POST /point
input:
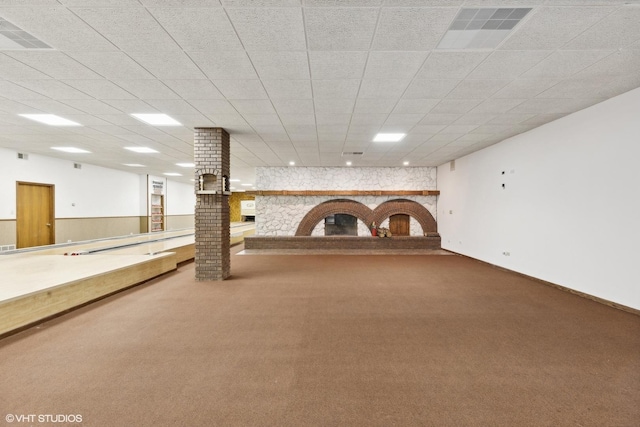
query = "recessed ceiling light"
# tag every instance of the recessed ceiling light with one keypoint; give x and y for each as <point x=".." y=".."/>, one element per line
<point x="185" y="165"/>
<point x="71" y="149"/>
<point x="172" y="174"/>
<point x="349" y="163"/>
<point x="247" y="185"/>
<point x="157" y="119"/>
<point x="405" y="163"/>
<point x="389" y="137"/>
<point x="134" y="165"/>
<point x="50" y="119"/>
<point x="292" y="163"/>
<point x="234" y="180"/>
<point x="233" y="188"/>
<point x="141" y="149"/>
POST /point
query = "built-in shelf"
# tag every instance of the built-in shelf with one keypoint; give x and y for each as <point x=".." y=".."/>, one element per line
<point x="344" y="193"/>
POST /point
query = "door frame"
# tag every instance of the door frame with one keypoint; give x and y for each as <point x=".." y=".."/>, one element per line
<point x="52" y="209"/>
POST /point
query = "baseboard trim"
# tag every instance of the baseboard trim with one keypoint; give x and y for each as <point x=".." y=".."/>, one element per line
<point x="555" y="285"/>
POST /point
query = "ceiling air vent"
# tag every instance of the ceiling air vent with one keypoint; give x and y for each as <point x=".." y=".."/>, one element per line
<point x="352" y="153"/>
<point x="23" y="156"/>
<point x="482" y="28"/>
<point x="13" y="37"/>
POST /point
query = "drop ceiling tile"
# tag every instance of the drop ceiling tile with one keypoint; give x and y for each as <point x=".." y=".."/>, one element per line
<point x="549" y="28"/>
<point x="255" y="27"/>
<point x="403" y="119"/>
<point x="439" y="119"/>
<point x="415" y="106"/>
<point x="340" y="28"/>
<point x="288" y="89"/>
<point x="119" y="119"/>
<point x="293" y="106"/>
<point x="455" y="106"/>
<point x="430" y="89"/>
<point x="374" y="106"/>
<point x="10" y="69"/>
<point x="417" y="29"/>
<point x="58" y="27"/>
<point x="333" y="119"/>
<point x="52" y="107"/>
<point x="194" y="89"/>
<point x="53" y="63"/>
<point x="460" y="130"/>
<point x="477" y="89"/>
<point x="226" y="120"/>
<point x="52" y="89"/>
<point x="525" y="88"/>
<point x="334" y="106"/>
<point x="91" y="106"/>
<point x="394" y="65"/>
<point x="623" y="62"/>
<point x="299" y="119"/>
<point x="383" y="88"/>
<point x="213" y="106"/>
<point x="168" y="65"/>
<point x="430" y="129"/>
<point x="332" y="65"/>
<point x="552" y="106"/>
<point x="496" y="106"/>
<point x="129" y="28"/>
<point x="198" y="29"/>
<point x="241" y="89"/>
<point x="368" y="119"/>
<point x="172" y="106"/>
<point x="335" y="89"/>
<point x="14" y="92"/>
<point x="111" y="65"/>
<point x="100" y="89"/>
<point x="508" y="64"/>
<point x="510" y="119"/>
<point x="281" y="65"/>
<point x="225" y="65"/>
<point x="450" y="65"/>
<point x="131" y="106"/>
<point x="617" y="30"/>
<point x="541" y="119"/>
<point x="147" y="89"/>
<point x="268" y="122"/>
<point x="563" y="64"/>
<point x="253" y="106"/>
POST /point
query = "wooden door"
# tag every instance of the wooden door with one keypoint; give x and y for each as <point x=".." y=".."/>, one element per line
<point x="34" y="214"/>
<point x="399" y="225"/>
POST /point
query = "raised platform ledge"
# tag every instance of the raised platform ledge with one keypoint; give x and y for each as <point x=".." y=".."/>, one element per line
<point x="431" y="241"/>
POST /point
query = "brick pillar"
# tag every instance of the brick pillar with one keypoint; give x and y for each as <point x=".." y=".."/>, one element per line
<point x="211" y="158"/>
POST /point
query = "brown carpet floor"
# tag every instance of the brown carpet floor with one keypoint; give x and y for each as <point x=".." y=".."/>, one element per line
<point x="332" y="341"/>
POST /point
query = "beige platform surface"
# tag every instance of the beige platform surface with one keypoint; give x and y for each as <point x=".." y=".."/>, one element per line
<point x="22" y="276"/>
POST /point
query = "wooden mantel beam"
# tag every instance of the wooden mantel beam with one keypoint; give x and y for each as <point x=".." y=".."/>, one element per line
<point x="343" y="193"/>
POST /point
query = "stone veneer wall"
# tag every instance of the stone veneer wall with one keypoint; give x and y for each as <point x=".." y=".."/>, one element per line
<point x="281" y="215"/>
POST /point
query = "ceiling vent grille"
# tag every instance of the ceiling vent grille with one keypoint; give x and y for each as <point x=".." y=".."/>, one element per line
<point x="13" y="37"/>
<point x="352" y="153"/>
<point x="482" y="28"/>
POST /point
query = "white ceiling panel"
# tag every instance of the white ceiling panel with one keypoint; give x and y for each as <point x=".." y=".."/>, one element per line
<point x="241" y="89"/>
<point x="111" y="65"/>
<point x="213" y="106"/>
<point x="562" y="64"/>
<point x="455" y="106"/>
<point x="147" y="89"/>
<point x="269" y="28"/>
<point x="508" y="64"/>
<point x="281" y="65"/>
<point x="293" y="106"/>
<point x="90" y="106"/>
<point x="386" y="88"/>
<point x="552" y="106"/>
<point x="54" y="64"/>
<point x="496" y="106"/>
<point x="450" y="65"/>
<point x="225" y="65"/>
<point x="415" y="106"/>
<point x="253" y="106"/>
<point x="172" y="106"/>
<point x="332" y="65"/>
<point x="476" y="89"/>
<point x="528" y="88"/>
<point x="131" y="106"/>
<point x="53" y="89"/>
<point x="425" y="89"/>
<point x="335" y="89"/>
<point x="168" y="65"/>
<point x="11" y="69"/>
<point x="417" y="29"/>
<point x="194" y="89"/>
<point x="199" y="29"/>
<point x="100" y="89"/>
<point x="334" y="106"/>
<point x="13" y="91"/>
<point x="619" y="29"/>
<point x="394" y="65"/>
<point x="374" y="106"/>
<point x="288" y="89"/>
<point x="335" y="29"/>
<point x="439" y="119"/>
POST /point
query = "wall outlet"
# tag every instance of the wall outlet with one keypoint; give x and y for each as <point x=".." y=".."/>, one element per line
<point x="506" y="253"/>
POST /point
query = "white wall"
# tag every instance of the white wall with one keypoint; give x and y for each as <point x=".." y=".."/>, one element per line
<point x="570" y="212"/>
<point x="181" y="198"/>
<point x="95" y="191"/>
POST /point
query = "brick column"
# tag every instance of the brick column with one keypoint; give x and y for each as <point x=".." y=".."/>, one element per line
<point x="211" y="158"/>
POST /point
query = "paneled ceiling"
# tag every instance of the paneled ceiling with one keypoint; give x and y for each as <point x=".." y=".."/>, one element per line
<point x="302" y="81"/>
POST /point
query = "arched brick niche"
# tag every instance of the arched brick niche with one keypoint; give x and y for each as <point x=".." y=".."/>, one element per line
<point x="332" y="207"/>
<point x="366" y="215"/>
<point x="406" y="207"/>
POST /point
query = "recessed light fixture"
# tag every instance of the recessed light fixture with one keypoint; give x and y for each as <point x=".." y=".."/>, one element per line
<point x="292" y="163"/>
<point x="141" y="149"/>
<point x="50" y="119"/>
<point x="172" y="174"/>
<point x="405" y="163"/>
<point x="234" y="180"/>
<point x="349" y="163"/>
<point x="157" y="119"/>
<point x="185" y="165"/>
<point x="247" y="185"/>
<point x="71" y="149"/>
<point x="389" y="137"/>
<point x="134" y="165"/>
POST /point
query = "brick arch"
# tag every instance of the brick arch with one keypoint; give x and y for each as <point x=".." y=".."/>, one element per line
<point x="332" y="207"/>
<point x="406" y="207"/>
